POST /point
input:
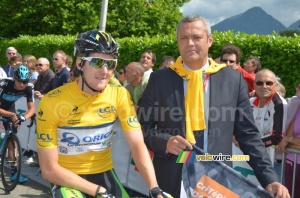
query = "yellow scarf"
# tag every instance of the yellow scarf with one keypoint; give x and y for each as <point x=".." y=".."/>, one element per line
<point x="194" y="108"/>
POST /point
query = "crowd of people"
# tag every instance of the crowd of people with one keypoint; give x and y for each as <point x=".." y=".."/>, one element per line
<point x="262" y="122"/>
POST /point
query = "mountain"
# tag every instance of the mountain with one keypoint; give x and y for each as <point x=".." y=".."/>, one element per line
<point x="295" y="26"/>
<point x="253" y="21"/>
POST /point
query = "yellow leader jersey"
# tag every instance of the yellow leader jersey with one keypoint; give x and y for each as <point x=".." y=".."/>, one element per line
<point x="80" y="125"/>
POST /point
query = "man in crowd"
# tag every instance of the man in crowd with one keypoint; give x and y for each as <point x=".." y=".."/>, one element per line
<point x="136" y="81"/>
<point x="188" y="103"/>
<point x="231" y="56"/>
<point x="166" y="62"/>
<point x="10" y="52"/>
<point x="44" y="81"/>
<point x="62" y="74"/>
<point x="148" y="60"/>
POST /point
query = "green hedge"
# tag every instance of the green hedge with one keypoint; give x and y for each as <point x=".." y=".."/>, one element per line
<point x="280" y="54"/>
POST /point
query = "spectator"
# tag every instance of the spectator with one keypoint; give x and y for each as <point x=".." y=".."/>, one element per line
<point x="292" y="140"/>
<point x="30" y="61"/>
<point x="252" y="65"/>
<point x="15" y="61"/>
<point x="231" y="56"/>
<point x="148" y="60"/>
<point x="136" y="81"/>
<point x="176" y="108"/>
<point x="44" y="80"/>
<point x="61" y="72"/>
<point x="269" y="110"/>
<point x="166" y="62"/>
<point x="281" y="89"/>
<point x="69" y="62"/>
<point x="10" y="52"/>
<point x="122" y="76"/>
<point x="74" y="74"/>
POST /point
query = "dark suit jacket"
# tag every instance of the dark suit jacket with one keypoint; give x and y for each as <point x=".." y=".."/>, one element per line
<point x="162" y="115"/>
<point x="44" y="82"/>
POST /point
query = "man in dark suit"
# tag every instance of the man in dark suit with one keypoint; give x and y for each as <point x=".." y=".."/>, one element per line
<point x="199" y="101"/>
<point x="44" y="81"/>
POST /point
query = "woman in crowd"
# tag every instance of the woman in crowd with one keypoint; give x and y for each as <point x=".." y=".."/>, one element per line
<point x="74" y="73"/>
<point x="121" y="76"/>
<point x="30" y="61"/>
<point x="292" y="140"/>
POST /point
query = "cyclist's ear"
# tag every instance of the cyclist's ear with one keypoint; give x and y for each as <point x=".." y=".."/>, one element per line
<point x="79" y="64"/>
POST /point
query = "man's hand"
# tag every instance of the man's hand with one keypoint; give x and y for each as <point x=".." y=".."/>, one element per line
<point x="177" y="143"/>
<point x="278" y="189"/>
<point x="18" y="119"/>
<point x="158" y="193"/>
<point x="38" y="94"/>
<point x="236" y="143"/>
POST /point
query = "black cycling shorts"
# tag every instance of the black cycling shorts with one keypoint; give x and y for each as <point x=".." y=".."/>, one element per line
<point x="108" y="180"/>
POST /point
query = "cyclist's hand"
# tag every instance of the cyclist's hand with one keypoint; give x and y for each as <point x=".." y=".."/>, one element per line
<point x="20" y="118"/>
<point x="105" y="195"/>
<point x="102" y="193"/>
<point x="156" y="192"/>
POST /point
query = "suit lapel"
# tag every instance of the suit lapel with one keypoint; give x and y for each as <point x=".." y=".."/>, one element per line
<point x="179" y="97"/>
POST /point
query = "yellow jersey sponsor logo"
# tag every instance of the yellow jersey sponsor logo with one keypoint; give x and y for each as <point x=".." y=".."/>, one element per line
<point x="44" y="139"/>
<point x="133" y="122"/>
<point x="106" y="112"/>
<point x="54" y="93"/>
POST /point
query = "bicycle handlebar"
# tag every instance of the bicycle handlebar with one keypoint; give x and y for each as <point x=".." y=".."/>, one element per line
<point x="32" y="120"/>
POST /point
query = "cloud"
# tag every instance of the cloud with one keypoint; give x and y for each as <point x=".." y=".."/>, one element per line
<point x="287" y="12"/>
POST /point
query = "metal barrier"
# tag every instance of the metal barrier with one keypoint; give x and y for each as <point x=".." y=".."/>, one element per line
<point x="296" y="153"/>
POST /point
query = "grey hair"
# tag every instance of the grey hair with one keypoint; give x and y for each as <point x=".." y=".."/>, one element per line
<point x="11" y="49"/>
<point x="138" y="68"/>
<point x="269" y="71"/>
<point x="192" y="18"/>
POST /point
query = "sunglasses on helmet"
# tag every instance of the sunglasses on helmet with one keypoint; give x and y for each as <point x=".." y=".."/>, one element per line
<point x="98" y="63"/>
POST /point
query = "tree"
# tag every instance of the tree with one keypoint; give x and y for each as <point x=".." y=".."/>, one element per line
<point x="34" y="17"/>
<point x="63" y="17"/>
<point x="140" y="18"/>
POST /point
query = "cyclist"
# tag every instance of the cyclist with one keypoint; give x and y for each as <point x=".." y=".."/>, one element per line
<point x="10" y="91"/>
<point x="74" y="132"/>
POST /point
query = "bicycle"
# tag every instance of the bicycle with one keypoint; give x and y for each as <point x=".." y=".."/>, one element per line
<point x="11" y="157"/>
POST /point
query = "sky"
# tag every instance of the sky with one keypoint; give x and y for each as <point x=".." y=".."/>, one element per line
<point x="285" y="11"/>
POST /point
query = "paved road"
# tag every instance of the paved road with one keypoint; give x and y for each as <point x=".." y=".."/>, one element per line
<point x="36" y="187"/>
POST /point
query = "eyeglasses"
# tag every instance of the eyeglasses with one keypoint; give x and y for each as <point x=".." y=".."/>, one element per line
<point x="39" y="65"/>
<point x="248" y="63"/>
<point x="98" y="63"/>
<point x="121" y="73"/>
<point x="261" y="83"/>
<point x="22" y="82"/>
<point x="55" y="59"/>
<point x="230" y="61"/>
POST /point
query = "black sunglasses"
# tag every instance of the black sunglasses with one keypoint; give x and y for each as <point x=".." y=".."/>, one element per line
<point x="225" y="61"/>
<point x="261" y="83"/>
<point x="98" y="63"/>
<point x="39" y="65"/>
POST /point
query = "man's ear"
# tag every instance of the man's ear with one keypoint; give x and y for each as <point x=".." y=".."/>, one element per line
<point x="78" y="64"/>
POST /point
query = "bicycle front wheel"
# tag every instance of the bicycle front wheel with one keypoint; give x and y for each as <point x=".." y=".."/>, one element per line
<point x="11" y="162"/>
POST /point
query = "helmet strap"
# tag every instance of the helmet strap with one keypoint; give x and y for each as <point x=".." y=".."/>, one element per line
<point x="84" y="82"/>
